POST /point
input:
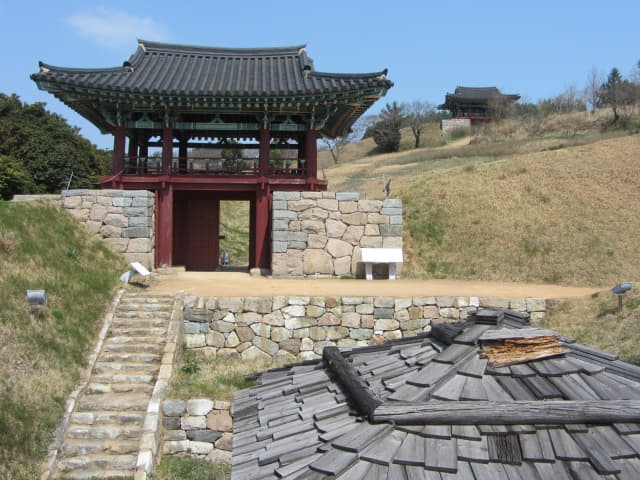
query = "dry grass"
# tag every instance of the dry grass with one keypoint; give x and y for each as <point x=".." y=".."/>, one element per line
<point x="595" y="321"/>
<point x="42" y="354"/>
<point x="215" y="378"/>
<point x="562" y="216"/>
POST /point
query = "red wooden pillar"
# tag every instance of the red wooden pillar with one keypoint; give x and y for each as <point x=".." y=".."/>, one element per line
<point x="164" y="226"/>
<point x="167" y="149"/>
<point x="133" y="146"/>
<point x="311" y="151"/>
<point x="119" y="139"/>
<point x="263" y="155"/>
<point x="262" y="213"/>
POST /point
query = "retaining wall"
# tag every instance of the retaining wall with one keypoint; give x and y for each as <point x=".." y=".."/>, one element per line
<point x="297" y="328"/>
<point x="320" y="234"/>
<point x="124" y="218"/>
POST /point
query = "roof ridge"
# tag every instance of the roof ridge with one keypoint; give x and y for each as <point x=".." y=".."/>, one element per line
<point x="147" y="45"/>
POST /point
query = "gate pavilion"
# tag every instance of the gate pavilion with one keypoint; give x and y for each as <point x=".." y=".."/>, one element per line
<point x="237" y="105"/>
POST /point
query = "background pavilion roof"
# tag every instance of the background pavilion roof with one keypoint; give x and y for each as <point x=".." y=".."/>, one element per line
<point x="185" y="75"/>
<point x="481" y="95"/>
<point x="301" y="421"/>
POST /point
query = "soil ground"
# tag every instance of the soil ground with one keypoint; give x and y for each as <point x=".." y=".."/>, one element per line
<point x="240" y="284"/>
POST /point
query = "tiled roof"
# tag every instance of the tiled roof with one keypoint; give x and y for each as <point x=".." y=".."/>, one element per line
<point x="181" y="70"/>
<point x="300" y="422"/>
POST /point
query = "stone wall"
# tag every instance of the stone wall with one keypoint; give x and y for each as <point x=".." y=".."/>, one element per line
<point x="124" y="218"/>
<point x="199" y="426"/>
<point x="297" y="328"/>
<point x="452" y="124"/>
<point x="320" y="234"/>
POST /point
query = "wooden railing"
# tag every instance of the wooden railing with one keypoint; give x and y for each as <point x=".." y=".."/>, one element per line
<point x="152" y="166"/>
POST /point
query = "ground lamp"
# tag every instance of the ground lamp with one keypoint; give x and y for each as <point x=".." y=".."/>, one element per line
<point x="620" y="290"/>
<point x="36" y="299"/>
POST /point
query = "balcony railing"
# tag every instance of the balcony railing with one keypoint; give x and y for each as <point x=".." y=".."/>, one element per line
<point x="186" y="166"/>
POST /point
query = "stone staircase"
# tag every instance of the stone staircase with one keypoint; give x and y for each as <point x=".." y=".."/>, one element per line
<point x="111" y="429"/>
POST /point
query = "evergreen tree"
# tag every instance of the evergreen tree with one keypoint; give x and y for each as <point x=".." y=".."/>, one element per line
<point x="386" y="133"/>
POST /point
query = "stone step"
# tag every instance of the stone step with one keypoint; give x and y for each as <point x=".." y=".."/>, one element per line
<point x="72" y="447"/>
<point x="104" y="432"/>
<point x="133" y="348"/>
<point x="123" y="339"/>
<point x="102" y="417"/>
<point x="126" y="367"/>
<point x="137" y="331"/>
<point x="143" y="315"/>
<point x="113" y="402"/>
<point x="120" y="388"/>
<point x="100" y="462"/>
<point x="130" y="357"/>
<point x="122" y="378"/>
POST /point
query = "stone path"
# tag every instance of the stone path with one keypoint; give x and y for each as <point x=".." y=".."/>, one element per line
<point x="112" y="426"/>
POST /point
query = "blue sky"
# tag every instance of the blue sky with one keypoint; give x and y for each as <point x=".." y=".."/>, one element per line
<point x="534" y="48"/>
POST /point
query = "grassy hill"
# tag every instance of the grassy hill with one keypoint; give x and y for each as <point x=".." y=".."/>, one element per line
<point x="557" y="207"/>
<point x="41" y="356"/>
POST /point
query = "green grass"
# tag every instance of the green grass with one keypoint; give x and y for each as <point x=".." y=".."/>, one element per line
<point x="234" y="225"/>
<point x="177" y="467"/>
<point x="215" y="378"/>
<point x="41" y="356"/>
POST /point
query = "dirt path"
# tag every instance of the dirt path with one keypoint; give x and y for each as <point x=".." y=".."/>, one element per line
<point x="234" y="284"/>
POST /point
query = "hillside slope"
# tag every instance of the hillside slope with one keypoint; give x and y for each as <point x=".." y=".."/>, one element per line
<point x="567" y="216"/>
<point x="41" y="355"/>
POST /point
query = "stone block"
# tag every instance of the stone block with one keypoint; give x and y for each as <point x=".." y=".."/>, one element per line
<point x="279" y="205"/>
<point x="172" y="424"/>
<point x="350" y="320"/>
<point x="494" y="302"/>
<point x="286" y="195"/>
<point x="382" y="312"/>
<point x="402" y="303"/>
<point x="175" y="447"/>
<point x="329" y="195"/>
<point x="431" y="311"/>
<point x="387" y="302"/>
<point x="258" y="304"/>
<point x="306" y="344"/>
<point x="537" y="317"/>
<point x="317" y="333"/>
<point x="140" y="221"/>
<point x="122" y="201"/>
<point x="195" y="341"/>
<point x="278" y="247"/>
<point x="315" y="214"/>
<point x="292" y="345"/>
<point x="275" y="319"/>
<point x="402" y="315"/>
<point x="392" y="203"/>
<point x="142" y="202"/>
<point x="449" y="312"/>
<point x="445" y="301"/>
<point x="318" y="347"/>
<point x="200" y="448"/>
<point x="300" y="205"/>
<point x="371" y="230"/>
<point x="280" y="225"/>
<point x="314" y="195"/>
<point x="353" y="234"/>
<point x="314" y="311"/>
<point x="284" y="214"/>
<point x="317" y="241"/>
<point x="335" y="228"/>
<point x="215" y="339"/>
<point x="261" y="329"/>
<point x="268" y="346"/>
<point x="232" y="304"/>
<point x="518" y="304"/>
<point x="338" y="248"/>
<point x="253" y="353"/>
<point x="209" y="436"/>
<point x="296" y="310"/>
<point x="377" y="219"/>
<point x="391" y="211"/>
<point x="232" y="340"/>
<point x="421" y="301"/>
<point x="136" y="232"/>
<point x="369" y="206"/>
<point x="317" y="261"/>
<point x="328" y="204"/>
<point x="278" y="334"/>
<point x="361" y="333"/>
<point x="395" y="220"/>
<point x="199" y="406"/>
<point x="191" y="327"/>
<point x="294" y="225"/>
<point x="392" y="242"/>
<point x="136" y="211"/>
<point x="392" y="335"/>
<point x="356" y="218"/>
<point x="329" y="319"/>
<point x="383" y="324"/>
<point x="290" y="264"/>
<point x="174" y="408"/>
<point x="336" y="332"/>
<point x="190" y="422"/>
<point x="109" y="231"/>
<point x="98" y="212"/>
<point x="313" y="226"/>
<point x="391" y="230"/>
<point x="225" y="442"/>
<point x="140" y="245"/>
<point x="348" y="207"/>
<point x="118" y="244"/>
<point x="342" y="266"/>
<point x="296" y="323"/>
<point x="347" y="196"/>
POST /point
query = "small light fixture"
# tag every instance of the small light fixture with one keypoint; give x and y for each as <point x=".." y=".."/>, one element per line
<point x="36" y="298"/>
<point x="620" y="290"/>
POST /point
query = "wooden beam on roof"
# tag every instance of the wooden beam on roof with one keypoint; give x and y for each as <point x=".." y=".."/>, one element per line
<point x="509" y="413"/>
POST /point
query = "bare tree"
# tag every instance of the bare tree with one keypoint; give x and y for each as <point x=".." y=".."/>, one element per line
<point x="336" y="146"/>
<point x="592" y="88"/>
<point x="417" y="113"/>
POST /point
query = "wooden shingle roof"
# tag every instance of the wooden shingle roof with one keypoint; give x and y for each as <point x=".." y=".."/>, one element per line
<point x="442" y="411"/>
